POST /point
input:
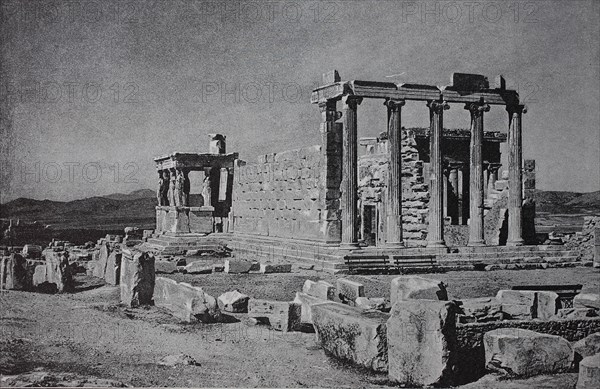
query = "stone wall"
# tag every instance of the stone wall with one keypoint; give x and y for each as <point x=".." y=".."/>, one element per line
<point x="288" y="195"/>
<point x="471" y="353"/>
<point x="583" y="243"/>
<point x="373" y="176"/>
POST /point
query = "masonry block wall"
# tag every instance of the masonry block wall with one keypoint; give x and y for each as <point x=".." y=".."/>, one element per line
<point x="289" y="194"/>
<point x="373" y="173"/>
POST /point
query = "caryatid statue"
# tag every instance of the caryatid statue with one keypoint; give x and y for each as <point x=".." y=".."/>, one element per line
<point x="186" y="189"/>
<point x="206" y="189"/>
<point x="172" y="186"/>
<point x="163" y="189"/>
<point x="179" y="189"/>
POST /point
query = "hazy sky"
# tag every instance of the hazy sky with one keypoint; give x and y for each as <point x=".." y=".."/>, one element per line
<point x="92" y="91"/>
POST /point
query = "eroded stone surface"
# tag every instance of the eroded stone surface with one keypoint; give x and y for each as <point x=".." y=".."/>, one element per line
<point x="589" y="373"/>
<point x="348" y="291"/>
<point x="320" y="289"/>
<point x="306" y="302"/>
<point x="237" y="266"/>
<point x="422" y="342"/>
<point x="417" y="288"/>
<point x="137" y="278"/>
<point x="588" y="346"/>
<point x="233" y="301"/>
<point x="519" y="352"/>
<point x="587" y="300"/>
<point x="282" y="315"/>
<point x="352" y="334"/>
<point x="185" y="301"/>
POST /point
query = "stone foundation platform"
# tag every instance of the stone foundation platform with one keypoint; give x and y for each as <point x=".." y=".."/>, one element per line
<point x="178" y="243"/>
<point x="184" y="220"/>
<point x="332" y="258"/>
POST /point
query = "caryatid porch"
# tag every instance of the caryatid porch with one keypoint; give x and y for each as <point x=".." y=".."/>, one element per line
<point x="175" y="213"/>
<point x="471" y="90"/>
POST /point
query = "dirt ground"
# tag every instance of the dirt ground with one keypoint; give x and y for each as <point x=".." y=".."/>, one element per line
<point x="87" y="333"/>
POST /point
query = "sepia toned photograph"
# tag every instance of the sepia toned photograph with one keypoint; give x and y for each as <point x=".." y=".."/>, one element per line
<point x="300" y="194"/>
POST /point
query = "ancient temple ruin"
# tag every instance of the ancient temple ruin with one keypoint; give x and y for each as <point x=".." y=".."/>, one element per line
<point x="424" y="189"/>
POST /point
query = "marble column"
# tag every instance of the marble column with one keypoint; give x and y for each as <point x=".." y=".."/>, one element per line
<point x="486" y="177"/>
<point x="476" y="232"/>
<point x="515" y="175"/>
<point x="435" y="233"/>
<point x="349" y="173"/>
<point x="394" y="188"/>
<point x="453" y="199"/>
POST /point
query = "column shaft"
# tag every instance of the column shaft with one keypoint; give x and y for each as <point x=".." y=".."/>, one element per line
<point x="515" y="176"/>
<point x="435" y="233"/>
<point x="394" y="188"/>
<point x="350" y="173"/>
<point x="476" y="232"/>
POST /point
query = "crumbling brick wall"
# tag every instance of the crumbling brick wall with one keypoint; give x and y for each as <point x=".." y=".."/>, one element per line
<point x="285" y="195"/>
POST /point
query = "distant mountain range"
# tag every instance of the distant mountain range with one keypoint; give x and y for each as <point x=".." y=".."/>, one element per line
<point x="119" y="210"/>
<point x="555" y="202"/>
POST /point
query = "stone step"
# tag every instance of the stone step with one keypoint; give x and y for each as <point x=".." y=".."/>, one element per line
<point x="507" y="260"/>
<point x="491" y="255"/>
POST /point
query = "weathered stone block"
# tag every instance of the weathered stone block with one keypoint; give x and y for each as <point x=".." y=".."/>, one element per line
<point x="519" y="352"/>
<point x="520" y="297"/>
<point x="198" y="267"/>
<point x="306" y="302"/>
<point x="58" y="271"/>
<point x="589" y="373"/>
<point x="275" y="268"/>
<point x="233" y="301"/>
<point x="575" y="313"/>
<point x="165" y="267"/>
<point x="320" y="289"/>
<point x="113" y="268"/>
<point x="545" y="304"/>
<point x="137" y="278"/>
<point x="349" y="291"/>
<point x="237" y="266"/>
<point x="588" y="346"/>
<point x="518" y="311"/>
<point x="282" y="315"/>
<point x="185" y="301"/>
<point x="587" y="300"/>
<point x="481" y="309"/>
<point x="13" y="273"/>
<point x="103" y="254"/>
<point x="417" y="288"/>
<point x="421" y="342"/>
<point x="376" y="303"/>
<point x="352" y="334"/>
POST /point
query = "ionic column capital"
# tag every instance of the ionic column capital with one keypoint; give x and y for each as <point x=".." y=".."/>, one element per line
<point x="351" y="101"/>
<point x="477" y="109"/>
<point x="438" y="106"/>
<point x="516" y="109"/>
<point x="394" y="105"/>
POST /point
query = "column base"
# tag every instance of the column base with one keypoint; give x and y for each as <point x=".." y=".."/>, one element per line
<point x="476" y="243"/>
<point x="514" y="243"/>
<point x="437" y="244"/>
<point x="349" y="246"/>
